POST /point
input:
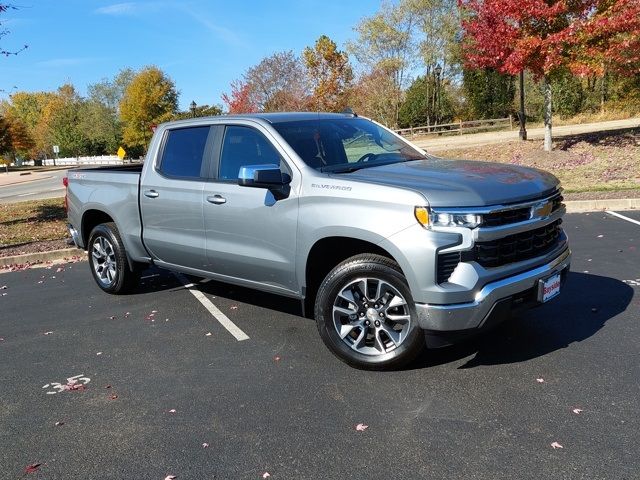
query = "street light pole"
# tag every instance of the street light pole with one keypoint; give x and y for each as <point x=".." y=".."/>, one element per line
<point x="193" y="107"/>
<point x="438" y="72"/>
<point x="523" y="118"/>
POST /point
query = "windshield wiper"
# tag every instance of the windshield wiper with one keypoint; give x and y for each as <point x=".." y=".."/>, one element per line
<point x="342" y="168"/>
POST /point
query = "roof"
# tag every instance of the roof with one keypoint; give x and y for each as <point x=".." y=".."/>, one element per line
<point x="278" y="117"/>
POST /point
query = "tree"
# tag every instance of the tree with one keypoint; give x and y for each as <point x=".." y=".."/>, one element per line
<point x="240" y="99"/>
<point x="4" y="7"/>
<point x="489" y="93"/>
<point x="150" y="98"/>
<point x="385" y="45"/>
<point x="373" y="95"/>
<point x="585" y="36"/>
<point x="200" y="111"/>
<point x="14" y="139"/>
<point x="426" y="103"/>
<point x="330" y="74"/>
<point x="110" y="92"/>
<point x="277" y="83"/>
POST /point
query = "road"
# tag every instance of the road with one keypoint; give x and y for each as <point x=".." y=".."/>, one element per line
<point x="49" y="185"/>
<point x="449" y="142"/>
<point x="171" y="392"/>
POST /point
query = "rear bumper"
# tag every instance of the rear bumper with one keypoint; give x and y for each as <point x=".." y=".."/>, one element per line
<point x="74" y="235"/>
<point x="493" y="302"/>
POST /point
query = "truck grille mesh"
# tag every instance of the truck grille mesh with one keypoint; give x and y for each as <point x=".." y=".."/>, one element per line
<point x="516" y="248"/>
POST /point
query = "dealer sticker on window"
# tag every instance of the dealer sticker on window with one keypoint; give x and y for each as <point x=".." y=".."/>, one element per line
<point x="549" y="288"/>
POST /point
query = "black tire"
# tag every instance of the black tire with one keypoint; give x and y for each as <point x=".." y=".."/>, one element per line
<point x="342" y="278"/>
<point x="122" y="279"/>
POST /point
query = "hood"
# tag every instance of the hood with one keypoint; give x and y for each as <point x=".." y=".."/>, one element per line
<point x="462" y="183"/>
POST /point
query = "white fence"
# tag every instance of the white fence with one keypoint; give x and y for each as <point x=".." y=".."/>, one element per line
<point x="73" y="161"/>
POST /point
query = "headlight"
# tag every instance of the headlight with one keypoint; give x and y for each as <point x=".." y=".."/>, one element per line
<point x="428" y="218"/>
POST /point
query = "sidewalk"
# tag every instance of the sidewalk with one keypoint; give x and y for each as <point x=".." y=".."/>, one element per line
<point x="13" y="178"/>
<point x="450" y="142"/>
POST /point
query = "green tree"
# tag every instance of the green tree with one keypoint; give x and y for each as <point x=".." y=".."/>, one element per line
<point x="200" y="111"/>
<point x="150" y="98"/>
<point x="489" y="94"/>
<point x="426" y="103"/>
<point x="330" y="74"/>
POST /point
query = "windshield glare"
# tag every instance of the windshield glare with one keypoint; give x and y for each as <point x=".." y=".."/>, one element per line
<point x="345" y="144"/>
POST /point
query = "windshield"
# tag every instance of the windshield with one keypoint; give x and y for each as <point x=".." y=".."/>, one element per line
<point x="345" y="144"/>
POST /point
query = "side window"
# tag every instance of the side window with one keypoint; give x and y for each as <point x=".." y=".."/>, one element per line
<point x="244" y="146"/>
<point x="183" y="152"/>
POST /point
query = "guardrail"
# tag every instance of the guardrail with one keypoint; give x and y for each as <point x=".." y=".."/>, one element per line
<point x="461" y="127"/>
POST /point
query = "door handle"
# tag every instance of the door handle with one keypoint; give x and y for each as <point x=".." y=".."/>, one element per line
<point x="216" y="199"/>
<point x="151" y="194"/>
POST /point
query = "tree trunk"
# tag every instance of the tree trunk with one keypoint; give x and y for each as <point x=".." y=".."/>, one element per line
<point x="547" y="114"/>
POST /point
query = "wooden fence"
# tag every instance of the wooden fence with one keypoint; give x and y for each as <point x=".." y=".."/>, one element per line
<point x="461" y="127"/>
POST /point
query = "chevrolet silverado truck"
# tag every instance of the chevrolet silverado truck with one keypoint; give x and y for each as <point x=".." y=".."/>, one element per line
<point x="392" y="249"/>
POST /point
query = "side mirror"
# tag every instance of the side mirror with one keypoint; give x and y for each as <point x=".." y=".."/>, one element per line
<point x="265" y="176"/>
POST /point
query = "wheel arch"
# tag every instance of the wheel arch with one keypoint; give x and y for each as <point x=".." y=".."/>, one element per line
<point x="326" y="253"/>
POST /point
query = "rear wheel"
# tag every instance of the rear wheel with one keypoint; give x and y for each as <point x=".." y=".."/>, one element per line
<point x="108" y="260"/>
<point x="366" y="315"/>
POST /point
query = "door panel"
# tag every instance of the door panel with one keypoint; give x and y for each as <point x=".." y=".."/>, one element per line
<point x="250" y="234"/>
<point x="173" y="225"/>
<point x="171" y="197"/>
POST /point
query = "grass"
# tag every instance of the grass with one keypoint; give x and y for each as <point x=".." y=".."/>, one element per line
<point x="32" y="221"/>
<point x="601" y="161"/>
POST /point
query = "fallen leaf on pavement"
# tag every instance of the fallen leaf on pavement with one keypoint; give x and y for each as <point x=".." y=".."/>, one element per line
<point x="99" y="353"/>
<point x="112" y="317"/>
<point x="208" y="334"/>
<point x="48" y="333"/>
<point x="600" y="236"/>
<point x="233" y="307"/>
<point x="32" y="468"/>
<point x="277" y="358"/>
<point x="107" y="386"/>
<point x="170" y="477"/>
<point x="3" y="287"/>
<point x="540" y="380"/>
<point x="114" y="397"/>
<point x="266" y="475"/>
<point x="173" y="410"/>
<point x="205" y="445"/>
<point x="361" y="427"/>
<point x="59" y="424"/>
<point x="556" y="445"/>
<point x="577" y="411"/>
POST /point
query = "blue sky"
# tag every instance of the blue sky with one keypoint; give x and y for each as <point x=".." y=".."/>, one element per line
<point x="202" y="45"/>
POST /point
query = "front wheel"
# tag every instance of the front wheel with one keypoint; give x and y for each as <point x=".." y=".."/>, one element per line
<point x="366" y="315"/>
<point x="108" y="260"/>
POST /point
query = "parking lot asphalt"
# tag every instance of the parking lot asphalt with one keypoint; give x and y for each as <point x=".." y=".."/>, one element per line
<point x="162" y="388"/>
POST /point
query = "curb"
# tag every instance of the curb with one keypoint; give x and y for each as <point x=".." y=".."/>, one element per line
<point x="40" y="257"/>
<point x="578" y="206"/>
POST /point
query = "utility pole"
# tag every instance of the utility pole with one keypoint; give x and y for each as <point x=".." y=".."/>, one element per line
<point x="523" y="118"/>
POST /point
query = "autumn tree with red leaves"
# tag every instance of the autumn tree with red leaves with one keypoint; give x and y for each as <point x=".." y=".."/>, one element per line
<point x="240" y="98"/>
<point x="588" y="37"/>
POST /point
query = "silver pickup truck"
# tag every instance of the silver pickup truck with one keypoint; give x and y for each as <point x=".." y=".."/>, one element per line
<point x="390" y="248"/>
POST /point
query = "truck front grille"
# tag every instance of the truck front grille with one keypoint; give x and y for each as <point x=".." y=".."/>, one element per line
<point x="497" y="253"/>
<point x="516" y="215"/>
<point x="518" y="247"/>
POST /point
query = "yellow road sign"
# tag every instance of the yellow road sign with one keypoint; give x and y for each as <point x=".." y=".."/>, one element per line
<point x="121" y="153"/>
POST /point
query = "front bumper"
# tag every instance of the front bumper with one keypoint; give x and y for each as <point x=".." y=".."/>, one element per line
<point x="492" y="303"/>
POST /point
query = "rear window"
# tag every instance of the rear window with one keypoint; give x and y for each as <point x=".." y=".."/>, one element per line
<point x="184" y="152"/>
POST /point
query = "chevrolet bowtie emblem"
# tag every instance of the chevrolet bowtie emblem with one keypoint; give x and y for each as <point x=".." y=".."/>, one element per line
<point x="542" y="209"/>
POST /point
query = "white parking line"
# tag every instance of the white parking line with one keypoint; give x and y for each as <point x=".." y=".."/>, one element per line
<point x="616" y="214"/>
<point x="231" y="327"/>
